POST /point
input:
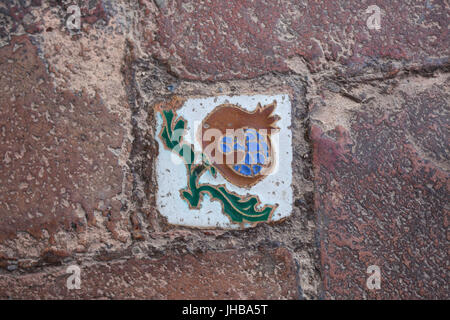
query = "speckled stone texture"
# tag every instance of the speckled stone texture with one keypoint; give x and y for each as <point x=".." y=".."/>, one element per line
<point x="265" y="274"/>
<point x="56" y="165"/>
<point x="381" y="197"/>
<point x="241" y="39"/>
<point x="370" y="124"/>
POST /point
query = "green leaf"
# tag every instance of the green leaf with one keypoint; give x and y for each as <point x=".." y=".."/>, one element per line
<point x="238" y="208"/>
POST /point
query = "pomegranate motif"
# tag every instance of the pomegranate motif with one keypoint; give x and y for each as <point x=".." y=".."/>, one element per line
<point x="237" y="134"/>
<point x="243" y="153"/>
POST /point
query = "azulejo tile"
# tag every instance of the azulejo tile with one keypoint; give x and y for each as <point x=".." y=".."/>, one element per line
<point x="224" y="161"/>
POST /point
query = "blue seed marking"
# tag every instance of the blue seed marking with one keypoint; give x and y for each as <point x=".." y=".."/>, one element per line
<point x="265" y="148"/>
<point x="255" y="148"/>
<point x="248" y="159"/>
<point x="237" y="146"/>
<point x="245" y="170"/>
<point x="260" y="158"/>
<point x="252" y="146"/>
<point x="225" y="148"/>
<point x="249" y="136"/>
<point x="254" y="132"/>
<point x="256" y="169"/>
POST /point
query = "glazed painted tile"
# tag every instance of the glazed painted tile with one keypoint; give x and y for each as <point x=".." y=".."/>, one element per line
<point x="225" y="162"/>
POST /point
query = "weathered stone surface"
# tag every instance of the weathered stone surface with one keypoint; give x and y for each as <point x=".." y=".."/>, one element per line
<point x="77" y="150"/>
<point x="264" y="274"/>
<point x="18" y="17"/>
<point x="242" y="39"/>
<point x="57" y="168"/>
<point x="381" y="197"/>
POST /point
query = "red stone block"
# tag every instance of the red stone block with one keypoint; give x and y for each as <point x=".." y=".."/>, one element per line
<point x="381" y="199"/>
<point x="218" y="40"/>
<point x="264" y="274"/>
<point x="56" y="166"/>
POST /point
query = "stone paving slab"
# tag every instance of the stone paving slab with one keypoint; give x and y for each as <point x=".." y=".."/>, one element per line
<point x="381" y="197"/>
<point x="78" y="150"/>
<point x="263" y="274"/>
<point x="232" y="39"/>
<point x="58" y="171"/>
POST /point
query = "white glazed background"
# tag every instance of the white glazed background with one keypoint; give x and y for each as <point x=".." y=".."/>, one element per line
<point x="171" y="171"/>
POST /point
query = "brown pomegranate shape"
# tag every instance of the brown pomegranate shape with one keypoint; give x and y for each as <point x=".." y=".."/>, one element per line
<point x="239" y="142"/>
